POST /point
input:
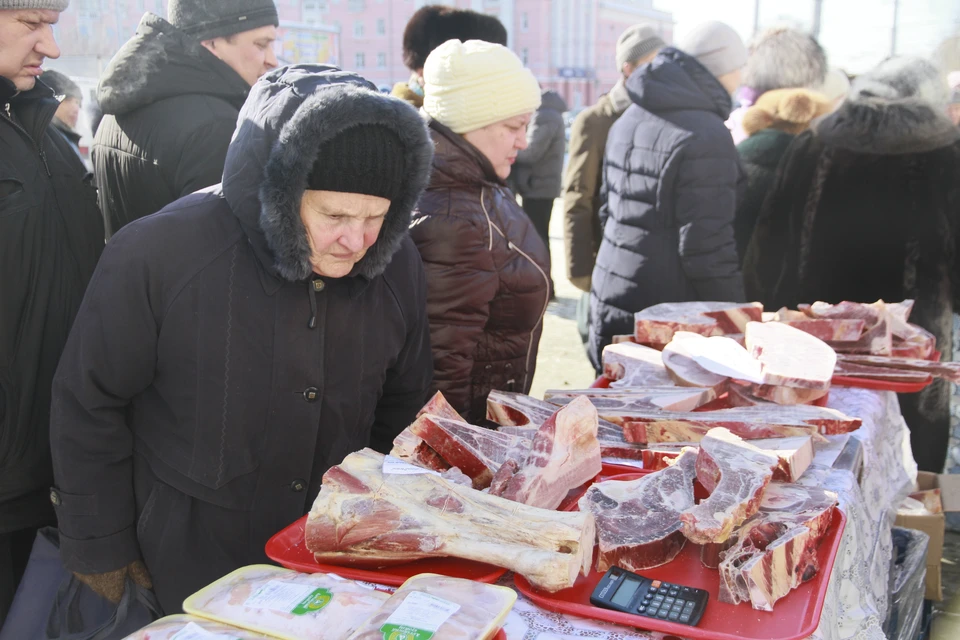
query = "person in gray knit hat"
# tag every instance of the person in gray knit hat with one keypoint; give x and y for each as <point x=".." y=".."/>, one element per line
<point x="170" y="99"/>
<point x="50" y="238"/>
<point x="636" y="46"/>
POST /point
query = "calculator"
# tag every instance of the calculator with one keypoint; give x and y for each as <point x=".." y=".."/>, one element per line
<point x="625" y="591"/>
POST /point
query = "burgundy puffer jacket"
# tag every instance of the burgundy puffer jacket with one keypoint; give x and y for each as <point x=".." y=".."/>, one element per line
<point x="487" y="288"/>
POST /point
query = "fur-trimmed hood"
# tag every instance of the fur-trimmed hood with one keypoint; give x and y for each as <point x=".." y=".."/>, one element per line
<point x="291" y="112"/>
<point x="897" y="108"/>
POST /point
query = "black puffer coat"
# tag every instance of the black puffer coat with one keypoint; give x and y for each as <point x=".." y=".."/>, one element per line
<point x="486" y="276"/>
<point x="866" y="206"/>
<point x="195" y="410"/>
<point x="51" y="237"/>
<point x="170" y="108"/>
<point x="671" y="181"/>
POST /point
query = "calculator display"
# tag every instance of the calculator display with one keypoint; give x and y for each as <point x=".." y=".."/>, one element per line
<point x="625" y="593"/>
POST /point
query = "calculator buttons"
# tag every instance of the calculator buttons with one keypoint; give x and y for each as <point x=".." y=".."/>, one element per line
<point x="684" y="618"/>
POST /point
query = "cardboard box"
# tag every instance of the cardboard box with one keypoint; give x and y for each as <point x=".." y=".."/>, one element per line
<point x="933" y="525"/>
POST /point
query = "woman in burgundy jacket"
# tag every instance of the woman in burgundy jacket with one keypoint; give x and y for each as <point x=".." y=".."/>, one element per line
<point x="486" y="265"/>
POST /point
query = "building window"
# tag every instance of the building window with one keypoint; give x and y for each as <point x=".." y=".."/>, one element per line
<point x="359" y="61"/>
<point x="524" y="22"/>
<point x="381" y="27"/>
<point x="525" y="55"/>
<point x="381" y="60"/>
<point x="358" y="29"/>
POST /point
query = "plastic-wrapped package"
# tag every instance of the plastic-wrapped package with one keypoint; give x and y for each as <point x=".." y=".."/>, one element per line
<point x="286" y="604"/>
<point x="430" y="605"/>
<point x="183" y="627"/>
<point x="908" y="571"/>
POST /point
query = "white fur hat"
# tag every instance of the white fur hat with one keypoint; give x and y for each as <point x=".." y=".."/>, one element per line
<point x="469" y="85"/>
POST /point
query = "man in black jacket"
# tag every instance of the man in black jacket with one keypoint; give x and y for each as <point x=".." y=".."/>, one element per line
<point x="243" y="340"/>
<point x="671" y="182"/>
<point x="170" y="99"/>
<point x="50" y="239"/>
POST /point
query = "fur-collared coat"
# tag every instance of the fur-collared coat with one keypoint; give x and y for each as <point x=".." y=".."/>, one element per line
<point x="210" y="378"/>
<point x="866" y="205"/>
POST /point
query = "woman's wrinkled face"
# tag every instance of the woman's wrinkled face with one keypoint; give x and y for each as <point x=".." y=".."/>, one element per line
<point x="340" y="227"/>
<point x="501" y="141"/>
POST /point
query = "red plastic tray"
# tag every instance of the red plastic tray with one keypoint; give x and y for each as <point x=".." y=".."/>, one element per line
<point x="881" y="385"/>
<point x="287" y="549"/>
<point x="794" y="617"/>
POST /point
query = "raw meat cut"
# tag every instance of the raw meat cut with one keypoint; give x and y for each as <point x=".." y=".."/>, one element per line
<point x="947" y="370"/>
<point x="829" y="330"/>
<point x="794" y="455"/>
<point x="638" y="524"/>
<point x="879" y="373"/>
<point x="286" y="604"/>
<point x="564" y="455"/>
<point x="169" y="627"/>
<point x="751" y="423"/>
<point x="657" y="324"/>
<point x="411" y="448"/>
<point x="621" y="338"/>
<point x="735" y="473"/>
<point x="679" y="357"/>
<point x="790" y="357"/>
<point x="776" y="550"/>
<point x="634" y="364"/>
<point x="510" y="409"/>
<point x="777" y="394"/>
<point x="877" y="336"/>
<point x="365" y="517"/>
<point x="464" y="609"/>
<point x="669" y="398"/>
<point x="476" y="451"/>
<point x="438" y="406"/>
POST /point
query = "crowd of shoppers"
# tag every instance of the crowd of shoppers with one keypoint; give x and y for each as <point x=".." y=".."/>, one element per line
<point x="272" y="268"/>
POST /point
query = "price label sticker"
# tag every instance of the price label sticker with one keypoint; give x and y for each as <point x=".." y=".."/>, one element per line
<point x="193" y="631"/>
<point x="418" y="617"/>
<point x="289" y="597"/>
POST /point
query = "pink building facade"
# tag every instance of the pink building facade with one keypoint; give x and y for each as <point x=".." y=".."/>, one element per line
<point x="568" y="44"/>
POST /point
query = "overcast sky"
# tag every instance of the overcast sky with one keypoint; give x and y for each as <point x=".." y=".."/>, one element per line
<point x="855" y="33"/>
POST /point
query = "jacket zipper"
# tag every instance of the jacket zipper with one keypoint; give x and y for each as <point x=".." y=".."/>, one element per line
<point x="38" y="145"/>
<point x="546" y="280"/>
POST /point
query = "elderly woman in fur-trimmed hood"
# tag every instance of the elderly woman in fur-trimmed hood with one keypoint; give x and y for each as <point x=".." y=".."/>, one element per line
<point x="865" y="206"/>
<point x="234" y="346"/>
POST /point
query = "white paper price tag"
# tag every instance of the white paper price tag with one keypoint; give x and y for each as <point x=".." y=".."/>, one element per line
<point x="396" y="467"/>
<point x="289" y="597"/>
<point x="193" y="631"/>
<point x="419" y="616"/>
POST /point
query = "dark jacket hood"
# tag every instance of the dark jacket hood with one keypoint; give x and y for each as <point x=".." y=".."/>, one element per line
<point x="552" y="100"/>
<point x="290" y="113"/>
<point x="870" y="124"/>
<point x="160" y="62"/>
<point x="675" y="81"/>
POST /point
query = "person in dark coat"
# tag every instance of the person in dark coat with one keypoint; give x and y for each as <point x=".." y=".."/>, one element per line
<point x="770" y="124"/>
<point x="486" y="265"/>
<point x="51" y="237"/>
<point x="243" y="340"/>
<point x="71" y="101"/>
<point x="865" y="207"/>
<point x="536" y="176"/>
<point x="428" y="28"/>
<point x="170" y="99"/>
<point x="670" y="184"/>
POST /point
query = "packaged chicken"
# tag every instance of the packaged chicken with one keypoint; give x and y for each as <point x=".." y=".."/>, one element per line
<point x="433" y="606"/>
<point x="286" y="604"/>
<point x="182" y="627"/>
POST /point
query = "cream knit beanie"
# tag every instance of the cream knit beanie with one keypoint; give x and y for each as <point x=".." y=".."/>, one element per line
<point x="469" y="85"/>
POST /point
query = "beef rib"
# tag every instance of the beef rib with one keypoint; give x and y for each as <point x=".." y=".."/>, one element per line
<point x="735" y="473"/>
<point x="657" y="324"/>
<point x="947" y="370"/>
<point x="794" y="455"/>
<point x="365" y="517"/>
<point x="669" y="398"/>
<point x="638" y="524"/>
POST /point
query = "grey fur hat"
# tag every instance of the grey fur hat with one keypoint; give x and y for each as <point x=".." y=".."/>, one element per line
<point x="61" y="84"/>
<point x="51" y="5"/>
<point x="784" y="59"/>
<point x="209" y="19"/>
<point x="902" y="78"/>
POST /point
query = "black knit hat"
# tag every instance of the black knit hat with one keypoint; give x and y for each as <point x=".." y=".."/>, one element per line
<point x="367" y="159"/>
<point x="434" y="24"/>
<point x="209" y="19"/>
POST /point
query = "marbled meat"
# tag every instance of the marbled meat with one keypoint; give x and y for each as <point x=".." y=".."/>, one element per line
<point x="657" y="324"/>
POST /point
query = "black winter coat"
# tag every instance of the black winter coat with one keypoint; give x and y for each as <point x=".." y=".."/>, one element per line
<point x="760" y="154"/>
<point x="671" y="180"/>
<point x="170" y="108"/>
<point x="537" y="174"/>
<point x="865" y="206"/>
<point x="195" y="410"/>
<point x="486" y="274"/>
<point x="51" y="237"/>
